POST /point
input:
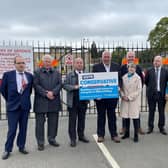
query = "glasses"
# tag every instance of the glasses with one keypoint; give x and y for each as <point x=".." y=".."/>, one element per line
<point x="20" y="63"/>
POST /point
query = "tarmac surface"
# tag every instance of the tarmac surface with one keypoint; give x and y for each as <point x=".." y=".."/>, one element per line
<point x="150" y="152"/>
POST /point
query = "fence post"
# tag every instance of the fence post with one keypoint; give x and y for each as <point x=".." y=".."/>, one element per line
<point x="0" y="110"/>
<point x="0" y="103"/>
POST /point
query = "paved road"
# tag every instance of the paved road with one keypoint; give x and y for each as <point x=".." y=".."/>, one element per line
<point x="150" y="152"/>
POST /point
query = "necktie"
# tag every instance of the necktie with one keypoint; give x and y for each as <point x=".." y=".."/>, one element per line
<point x="23" y="83"/>
<point x="157" y="75"/>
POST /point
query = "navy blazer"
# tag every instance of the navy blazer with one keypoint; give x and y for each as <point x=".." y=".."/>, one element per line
<point x="9" y="91"/>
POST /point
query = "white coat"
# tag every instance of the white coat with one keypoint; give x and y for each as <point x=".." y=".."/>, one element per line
<point x="131" y="88"/>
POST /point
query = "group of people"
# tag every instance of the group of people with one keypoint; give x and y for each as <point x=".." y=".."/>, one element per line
<point x="16" y="88"/>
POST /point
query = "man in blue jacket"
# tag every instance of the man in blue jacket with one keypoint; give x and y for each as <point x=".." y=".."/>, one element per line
<point x="16" y="89"/>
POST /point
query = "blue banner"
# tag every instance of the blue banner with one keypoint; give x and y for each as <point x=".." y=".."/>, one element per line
<point x="98" y="85"/>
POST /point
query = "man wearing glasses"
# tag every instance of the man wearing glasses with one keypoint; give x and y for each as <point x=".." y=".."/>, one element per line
<point x="16" y="89"/>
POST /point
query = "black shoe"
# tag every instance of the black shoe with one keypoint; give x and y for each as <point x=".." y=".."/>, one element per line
<point x="23" y="151"/>
<point x="125" y="136"/>
<point x="54" y="143"/>
<point x="83" y="139"/>
<point x="162" y="131"/>
<point x="5" y="155"/>
<point x="150" y="130"/>
<point x="136" y="139"/>
<point x="41" y="147"/>
<point x="73" y="143"/>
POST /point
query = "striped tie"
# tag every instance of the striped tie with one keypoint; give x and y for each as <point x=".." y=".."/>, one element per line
<point x="23" y="83"/>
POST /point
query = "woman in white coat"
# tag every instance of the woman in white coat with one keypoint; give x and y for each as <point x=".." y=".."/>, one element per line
<point x="130" y="100"/>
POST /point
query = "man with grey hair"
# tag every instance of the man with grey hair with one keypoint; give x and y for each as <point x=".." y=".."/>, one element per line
<point x="156" y="80"/>
<point x="47" y="85"/>
<point x="106" y="105"/>
<point x="76" y="107"/>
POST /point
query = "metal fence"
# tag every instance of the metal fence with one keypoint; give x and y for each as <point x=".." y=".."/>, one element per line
<point x="86" y="50"/>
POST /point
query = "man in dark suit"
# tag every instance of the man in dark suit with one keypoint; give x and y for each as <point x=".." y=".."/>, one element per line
<point x="76" y="107"/>
<point x="106" y="105"/>
<point x="123" y="71"/>
<point x="16" y="89"/>
<point x="47" y="103"/>
<point x="156" y="80"/>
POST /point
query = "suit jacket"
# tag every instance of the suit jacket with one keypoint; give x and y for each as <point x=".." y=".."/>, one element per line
<point x="69" y="86"/>
<point x="100" y="67"/>
<point x="10" y="92"/>
<point x="124" y="70"/>
<point x="44" y="81"/>
<point x="150" y="82"/>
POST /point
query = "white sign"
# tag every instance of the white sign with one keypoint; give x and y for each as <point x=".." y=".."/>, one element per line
<point x="68" y="59"/>
<point x="8" y="53"/>
<point x="102" y="85"/>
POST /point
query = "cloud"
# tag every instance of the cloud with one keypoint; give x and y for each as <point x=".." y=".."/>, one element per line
<point x="74" y="19"/>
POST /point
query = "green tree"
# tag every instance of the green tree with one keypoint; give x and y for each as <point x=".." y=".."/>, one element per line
<point x="145" y="58"/>
<point x="158" y="37"/>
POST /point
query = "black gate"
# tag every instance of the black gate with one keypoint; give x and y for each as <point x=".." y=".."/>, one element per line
<point x="91" y="53"/>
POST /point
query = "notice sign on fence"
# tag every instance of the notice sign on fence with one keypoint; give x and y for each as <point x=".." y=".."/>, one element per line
<point x="98" y="85"/>
<point x="8" y="53"/>
<point x="69" y="59"/>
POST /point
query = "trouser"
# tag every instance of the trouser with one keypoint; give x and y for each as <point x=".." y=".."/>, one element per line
<point x="16" y="117"/>
<point x="124" y="123"/>
<point x="127" y="126"/>
<point x="158" y="99"/>
<point x="77" y="117"/>
<point x="52" y="125"/>
<point x="103" y="107"/>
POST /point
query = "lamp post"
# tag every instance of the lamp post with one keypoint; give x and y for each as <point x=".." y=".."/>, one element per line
<point x="84" y="47"/>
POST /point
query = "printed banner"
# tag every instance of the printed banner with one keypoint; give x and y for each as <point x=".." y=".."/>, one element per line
<point x="8" y="53"/>
<point x="102" y="85"/>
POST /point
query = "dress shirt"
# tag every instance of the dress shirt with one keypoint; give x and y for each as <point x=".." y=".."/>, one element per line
<point x="19" y="80"/>
<point x="158" y="78"/>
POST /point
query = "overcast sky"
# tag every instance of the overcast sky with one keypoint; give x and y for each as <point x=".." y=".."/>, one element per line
<point x="113" y="20"/>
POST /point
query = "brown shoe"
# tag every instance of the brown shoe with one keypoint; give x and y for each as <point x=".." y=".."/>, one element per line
<point x="115" y="139"/>
<point x="100" y="139"/>
<point x="122" y="131"/>
<point x="140" y="131"/>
